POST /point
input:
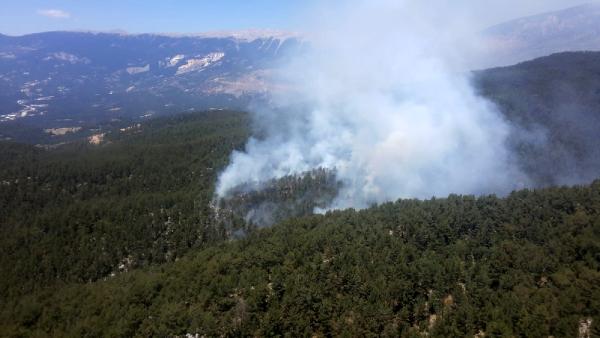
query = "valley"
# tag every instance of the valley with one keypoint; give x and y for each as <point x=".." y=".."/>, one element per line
<point x="51" y="78"/>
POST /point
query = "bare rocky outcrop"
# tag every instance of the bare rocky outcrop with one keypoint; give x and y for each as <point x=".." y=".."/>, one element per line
<point x="585" y="328"/>
<point x="96" y="139"/>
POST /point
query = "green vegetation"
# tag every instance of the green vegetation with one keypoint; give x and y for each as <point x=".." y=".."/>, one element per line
<point x="279" y="199"/>
<point x="120" y="240"/>
<point x="526" y="265"/>
<point x="81" y="212"/>
<point x="555" y="99"/>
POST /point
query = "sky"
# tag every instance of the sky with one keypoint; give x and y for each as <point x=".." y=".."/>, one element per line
<point x="196" y="16"/>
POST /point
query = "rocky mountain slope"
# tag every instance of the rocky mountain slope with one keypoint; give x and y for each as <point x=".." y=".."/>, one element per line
<point x="572" y="29"/>
<point x="72" y="79"/>
<point x="79" y="76"/>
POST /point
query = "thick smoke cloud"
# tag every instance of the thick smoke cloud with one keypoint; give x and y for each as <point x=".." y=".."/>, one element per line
<point x="383" y="97"/>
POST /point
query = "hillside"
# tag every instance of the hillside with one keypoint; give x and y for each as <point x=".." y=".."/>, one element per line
<point x="81" y="212"/>
<point x="118" y="234"/>
<point x="525" y="265"/>
<point x="62" y="79"/>
<point x="68" y="79"/>
<point x="518" y="40"/>
<point x="554" y="105"/>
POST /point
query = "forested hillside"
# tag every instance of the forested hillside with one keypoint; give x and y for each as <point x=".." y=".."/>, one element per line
<point x="120" y="235"/>
<point x="82" y="212"/>
<point x="525" y="265"/>
<point x="553" y="104"/>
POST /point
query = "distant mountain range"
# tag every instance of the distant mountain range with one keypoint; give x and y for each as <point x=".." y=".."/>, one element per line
<point x="572" y="29"/>
<point x="81" y="76"/>
<point x="68" y="79"/>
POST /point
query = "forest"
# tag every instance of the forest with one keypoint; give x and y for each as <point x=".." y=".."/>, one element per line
<point x="125" y="239"/>
<point x="552" y="103"/>
<point x="81" y="212"/>
<point x="524" y="265"/>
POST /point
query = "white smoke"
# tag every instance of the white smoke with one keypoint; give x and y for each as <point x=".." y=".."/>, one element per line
<point x="383" y="97"/>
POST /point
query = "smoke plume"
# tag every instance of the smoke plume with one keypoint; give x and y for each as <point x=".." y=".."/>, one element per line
<point x="383" y="97"/>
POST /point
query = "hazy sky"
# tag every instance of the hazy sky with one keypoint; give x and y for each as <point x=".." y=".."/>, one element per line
<point x="191" y="16"/>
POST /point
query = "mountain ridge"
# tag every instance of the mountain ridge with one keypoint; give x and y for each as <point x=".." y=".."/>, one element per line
<point x="86" y="76"/>
<point x="244" y="34"/>
<point x="571" y="29"/>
